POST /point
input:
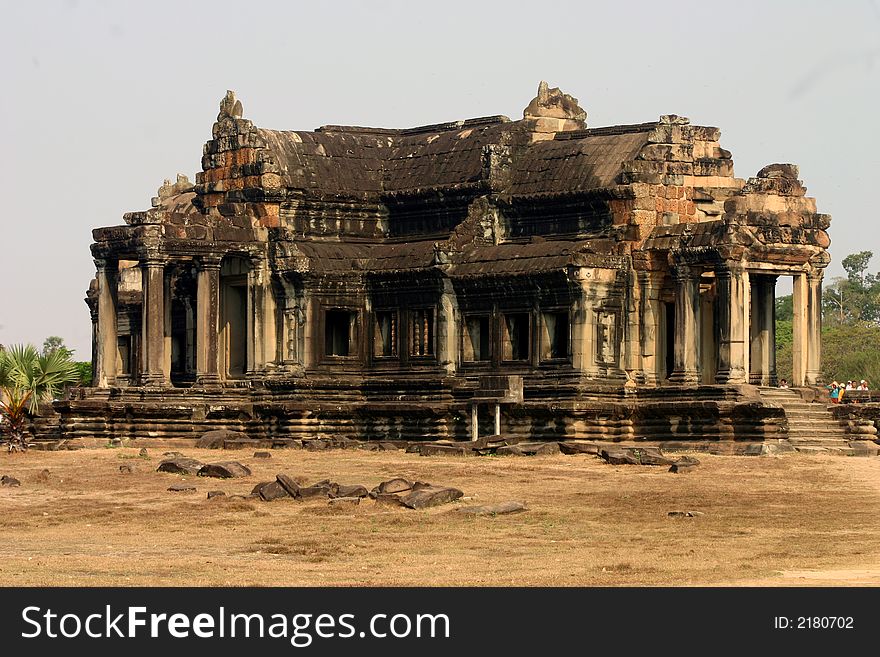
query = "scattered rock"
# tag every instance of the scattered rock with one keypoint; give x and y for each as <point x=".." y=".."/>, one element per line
<point x="396" y="485"/>
<point x="684" y="464"/>
<point x="180" y="465"/>
<point x="314" y="445"/>
<point x="173" y="455"/>
<point x="272" y="490"/>
<point x="224" y="470"/>
<point x="72" y="444"/>
<point x="344" y="502"/>
<point x="431" y="449"/>
<point x="216" y="438"/>
<point x="493" y="509"/>
<point x="387" y="498"/>
<point x="215" y="493"/>
<point x="430" y="496"/>
<point x="311" y="492"/>
<point x="262" y="455"/>
<point x="539" y="449"/>
<point x="182" y="488"/>
<point x="634" y="456"/>
<point x="571" y="448"/>
<point x="510" y="450"/>
<point x="414" y="448"/>
<point x="350" y="491"/>
<point x="685" y="514"/>
<point x="143" y="453"/>
<point x="370" y="447"/>
<point x="288" y="484"/>
<point x="115" y="442"/>
<point x="6" y="480"/>
<point x="388" y="447"/>
<point x="126" y="469"/>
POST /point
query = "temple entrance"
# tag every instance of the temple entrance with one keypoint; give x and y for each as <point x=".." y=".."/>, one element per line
<point x="233" y="318"/>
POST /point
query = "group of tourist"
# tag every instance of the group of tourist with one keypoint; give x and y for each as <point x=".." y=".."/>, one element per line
<point x="837" y="390"/>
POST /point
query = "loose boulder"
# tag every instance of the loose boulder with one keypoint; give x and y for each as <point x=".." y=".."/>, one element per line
<point x="126" y="469"/>
<point x="182" y="488"/>
<point x="685" y="514"/>
<point x="684" y="464"/>
<point x="180" y="465"/>
<point x="396" y="485"/>
<point x="215" y="493"/>
<point x="288" y="484"/>
<point x="350" y="491"/>
<point x="224" y="470"/>
<point x="634" y="456"/>
<point x="216" y="438"/>
<point x="571" y="448"/>
<point x="430" y="496"/>
<point x="344" y="502"/>
<point x="272" y="490"/>
<point x="493" y="509"/>
<point x="6" y="480"/>
<point x="431" y="449"/>
<point x="509" y="450"/>
<point x="143" y="453"/>
<point x="262" y="455"/>
<point x="539" y="449"/>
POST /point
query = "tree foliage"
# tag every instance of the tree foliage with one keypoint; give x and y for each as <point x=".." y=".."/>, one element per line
<point x="28" y="378"/>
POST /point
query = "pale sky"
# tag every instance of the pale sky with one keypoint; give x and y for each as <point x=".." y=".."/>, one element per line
<point x="100" y="101"/>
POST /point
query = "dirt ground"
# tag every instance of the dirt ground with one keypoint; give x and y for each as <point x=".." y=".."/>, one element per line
<point x="770" y="521"/>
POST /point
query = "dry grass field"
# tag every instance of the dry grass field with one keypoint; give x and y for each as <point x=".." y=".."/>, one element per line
<point x="774" y="521"/>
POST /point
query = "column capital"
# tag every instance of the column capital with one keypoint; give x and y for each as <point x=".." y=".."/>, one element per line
<point x="106" y="265"/>
<point x="153" y="261"/>
<point x="815" y="275"/>
<point x="685" y="272"/>
<point x="207" y="262"/>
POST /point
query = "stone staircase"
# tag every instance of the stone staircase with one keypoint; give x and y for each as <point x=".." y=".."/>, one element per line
<point x="809" y="425"/>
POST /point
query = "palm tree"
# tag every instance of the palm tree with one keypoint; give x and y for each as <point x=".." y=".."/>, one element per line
<point x="26" y="379"/>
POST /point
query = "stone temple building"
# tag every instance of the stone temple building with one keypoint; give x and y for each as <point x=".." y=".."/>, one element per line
<point x="535" y="278"/>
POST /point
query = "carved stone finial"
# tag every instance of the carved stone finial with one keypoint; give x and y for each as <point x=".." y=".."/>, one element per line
<point x="790" y="171"/>
<point x="230" y="107"/>
<point x="554" y="104"/>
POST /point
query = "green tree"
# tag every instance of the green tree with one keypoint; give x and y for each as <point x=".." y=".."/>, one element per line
<point x="28" y="378"/>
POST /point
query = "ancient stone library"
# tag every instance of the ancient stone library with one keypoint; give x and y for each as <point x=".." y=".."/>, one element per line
<point x="535" y="278"/>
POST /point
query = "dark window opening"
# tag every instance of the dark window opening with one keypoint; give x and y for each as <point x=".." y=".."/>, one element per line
<point x="476" y="338"/>
<point x="515" y="341"/>
<point x="338" y="332"/>
<point x="670" y="338"/>
<point x="555" y="339"/>
<point x="422" y="325"/>
<point x="385" y="342"/>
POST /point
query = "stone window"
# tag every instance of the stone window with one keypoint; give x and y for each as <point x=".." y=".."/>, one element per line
<point x="422" y="332"/>
<point x="385" y="338"/>
<point x="339" y="332"/>
<point x="515" y="336"/>
<point x="555" y="334"/>
<point x="476" y="339"/>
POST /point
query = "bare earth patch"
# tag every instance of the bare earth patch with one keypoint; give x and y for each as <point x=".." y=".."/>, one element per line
<point x="770" y="521"/>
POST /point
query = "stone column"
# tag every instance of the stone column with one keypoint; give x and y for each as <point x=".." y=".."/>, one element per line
<point x="733" y="326"/>
<point x="813" y="371"/>
<point x="447" y="334"/>
<point x="153" y="322"/>
<point x="106" y="339"/>
<point x="256" y="356"/>
<point x="475" y="421"/>
<point x="763" y="342"/>
<point x="800" y="294"/>
<point x="687" y="325"/>
<point x="497" y="419"/>
<point x="207" y="322"/>
<point x="651" y="333"/>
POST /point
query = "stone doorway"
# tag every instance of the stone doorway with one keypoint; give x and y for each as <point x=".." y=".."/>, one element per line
<point x="233" y="318"/>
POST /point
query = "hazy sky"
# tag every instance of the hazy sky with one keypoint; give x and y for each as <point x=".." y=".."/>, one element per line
<point x="100" y="101"/>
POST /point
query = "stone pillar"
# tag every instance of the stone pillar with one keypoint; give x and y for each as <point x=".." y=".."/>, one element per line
<point x="106" y="338"/>
<point x="153" y="323"/>
<point x="732" y="283"/>
<point x="652" y="321"/>
<point x="687" y="325"/>
<point x="208" y="321"/>
<point x="497" y="419"/>
<point x="447" y="333"/>
<point x="255" y="357"/>
<point x="799" y="347"/>
<point x="763" y="340"/>
<point x="813" y="370"/>
<point x="475" y="421"/>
